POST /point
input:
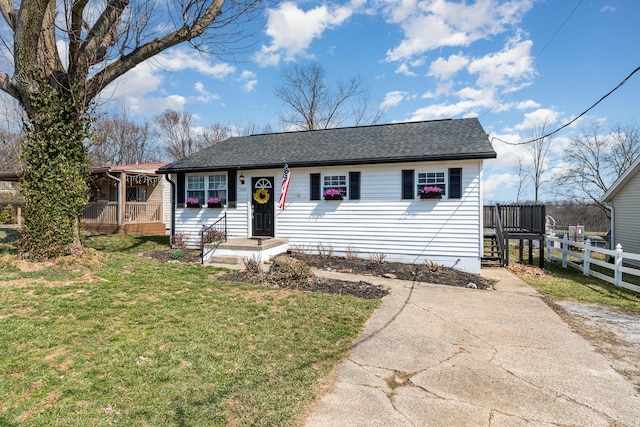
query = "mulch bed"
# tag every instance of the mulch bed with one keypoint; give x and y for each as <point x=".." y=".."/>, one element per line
<point x="426" y="272"/>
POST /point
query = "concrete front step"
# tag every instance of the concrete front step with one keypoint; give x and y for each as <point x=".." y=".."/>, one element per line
<point x="227" y="259"/>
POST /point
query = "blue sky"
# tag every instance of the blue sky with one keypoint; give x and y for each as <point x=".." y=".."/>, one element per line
<point x="510" y="63"/>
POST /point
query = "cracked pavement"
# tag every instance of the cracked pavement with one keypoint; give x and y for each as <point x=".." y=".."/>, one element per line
<point x="447" y="356"/>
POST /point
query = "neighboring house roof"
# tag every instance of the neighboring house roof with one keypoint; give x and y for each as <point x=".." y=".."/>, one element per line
<point x="139" y="167"/>
<point x="389" y="143"/>
<point x="622" y="181"/>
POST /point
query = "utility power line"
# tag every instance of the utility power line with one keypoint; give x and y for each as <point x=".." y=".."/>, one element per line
<point x="574" y="119"/>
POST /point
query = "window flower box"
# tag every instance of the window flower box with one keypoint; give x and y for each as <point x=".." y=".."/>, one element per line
<point x="214" y="202"/>
<point x="192" y="202"/>
<point x="431" y="192"/>
<point x="333" y="194"/>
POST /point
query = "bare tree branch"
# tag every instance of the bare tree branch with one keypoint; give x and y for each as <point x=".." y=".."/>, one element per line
<point x="595" y="160"/>
<point x="315" y="106"/>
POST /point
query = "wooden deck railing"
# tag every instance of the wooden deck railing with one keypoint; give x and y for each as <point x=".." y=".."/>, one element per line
<point x="142" y="212"/>
<point x="521" y="218"/>
<point x="134" y="212"/>
<point x="100" y="213"/>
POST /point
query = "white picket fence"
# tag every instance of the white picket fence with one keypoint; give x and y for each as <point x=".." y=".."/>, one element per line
<point x="579" y="255"/>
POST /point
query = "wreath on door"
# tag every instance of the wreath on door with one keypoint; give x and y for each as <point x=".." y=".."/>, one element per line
<point x="261" y="196"/>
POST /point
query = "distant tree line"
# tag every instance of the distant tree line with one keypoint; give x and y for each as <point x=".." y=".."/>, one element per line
<point x="588" y="167"/>
<point x="570" y="212"/>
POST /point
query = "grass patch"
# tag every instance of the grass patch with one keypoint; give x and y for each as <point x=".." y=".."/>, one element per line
<point x="569" y="283"/>
<point x="9" y="240"/>
<point x="142" y="343"/>
<point x="126" y="243"/>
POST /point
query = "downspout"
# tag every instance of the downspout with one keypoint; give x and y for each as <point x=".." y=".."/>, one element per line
<point x="173" y="207"/>
<point x="119" y="209"/>
<point x="612" y="239"/>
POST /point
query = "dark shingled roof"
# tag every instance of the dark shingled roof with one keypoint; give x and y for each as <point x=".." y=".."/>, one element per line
<point x="399" y="142"/>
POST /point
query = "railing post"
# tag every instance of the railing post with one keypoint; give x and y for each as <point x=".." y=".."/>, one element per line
<point x="586" y="264"/>
<point x="565" y="247"/>
<point x="548" y="244"/>
<point x="618" y="264"/>
<point x="202" y="230"/>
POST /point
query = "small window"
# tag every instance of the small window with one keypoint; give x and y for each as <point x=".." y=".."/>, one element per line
<point x="195" y="187"/>
<point x="217" y="187"/>
<point x="434" y="179"/>
<point x="204" y="187"/>
<point x="136" y="193"/>
<point x="338" y="182"/>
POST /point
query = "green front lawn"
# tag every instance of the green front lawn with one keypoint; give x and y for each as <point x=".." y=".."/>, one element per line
<point x="569" y="283"/>
<point x="134" y="342"/>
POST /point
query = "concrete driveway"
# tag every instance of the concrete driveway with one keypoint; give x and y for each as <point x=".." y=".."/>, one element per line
<point x="444" y="356"/>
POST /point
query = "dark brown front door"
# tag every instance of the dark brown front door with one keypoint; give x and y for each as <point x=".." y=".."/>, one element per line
<point x="262" y="207"/>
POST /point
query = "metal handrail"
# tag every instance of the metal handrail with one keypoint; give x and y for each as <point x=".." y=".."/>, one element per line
<point x="217" y="229"/>
<point x="503" y="239"/>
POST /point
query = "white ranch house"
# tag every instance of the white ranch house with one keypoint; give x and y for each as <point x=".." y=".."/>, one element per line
<point x="379" y="171"/>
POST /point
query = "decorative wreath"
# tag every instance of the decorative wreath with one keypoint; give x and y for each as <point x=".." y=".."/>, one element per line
<point x="261" y="196"/>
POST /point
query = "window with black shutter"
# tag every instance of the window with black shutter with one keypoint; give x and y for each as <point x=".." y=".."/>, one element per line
<point x="407" y="184"/>
<point x="314" y="191"/>
<point x="455" y="183"/>
<point x="232" y="200"/>
<point x="354" y="185"/>
<point x="180" y="190"/>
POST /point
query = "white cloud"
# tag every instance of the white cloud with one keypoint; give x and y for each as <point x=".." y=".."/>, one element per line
<point x="404" y="69"/>
<point x="537" y="118"/>
<point x="527" y="104"/>
<point x="443" y="68"/>
<point x="511" y="64"/>
<point x="440" y="23"/>
<point x="204" y="95"/>
<point x="138" y="81"/>
<point x="497" y="181"/>
<point x="249" y="80"/>
<point x="392" y="99"/>
<point x="178" y="59"/>
<point x="292" y="30"/>
<point x="152" y="106"/>
<point x="442" y="111"/>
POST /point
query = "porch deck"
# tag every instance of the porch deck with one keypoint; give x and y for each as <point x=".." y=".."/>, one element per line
<point x="135" y="218"/>
<point x="503" y="223"/>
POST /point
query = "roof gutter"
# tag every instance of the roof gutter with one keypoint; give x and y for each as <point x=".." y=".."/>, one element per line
<point x="173" y="208"/>
<point x="338" y="162"/>
<point x="612" y="239"/>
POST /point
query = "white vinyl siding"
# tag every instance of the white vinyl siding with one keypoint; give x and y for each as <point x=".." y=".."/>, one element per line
<point x="627" y="220"/>
<point x="447" y="231"/>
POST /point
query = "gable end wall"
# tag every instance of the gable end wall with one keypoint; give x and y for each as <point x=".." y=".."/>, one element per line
<point x="627" y="216"/>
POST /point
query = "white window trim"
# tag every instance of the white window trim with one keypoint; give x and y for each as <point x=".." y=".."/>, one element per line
<point x="444" y="183"/>
<point x="339" y="186"/>
<point x="205" y="186"/>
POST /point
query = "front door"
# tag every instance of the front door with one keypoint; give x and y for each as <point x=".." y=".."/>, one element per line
<point x="262" y="207"/>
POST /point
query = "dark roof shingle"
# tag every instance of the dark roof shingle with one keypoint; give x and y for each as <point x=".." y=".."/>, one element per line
<point x="389" y="143"/>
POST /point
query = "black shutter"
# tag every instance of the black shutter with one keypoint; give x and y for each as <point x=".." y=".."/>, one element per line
<point x="354" y="185"/>
<point x="180" y="190"/>
<point x="315" y="186"/>
<point x="408" y="190"/>
<point x="232" y="189"/>
<point x="455" y="183"/>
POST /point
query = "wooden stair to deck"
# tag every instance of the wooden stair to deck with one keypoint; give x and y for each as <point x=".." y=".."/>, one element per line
<point x="491" y="251"/>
